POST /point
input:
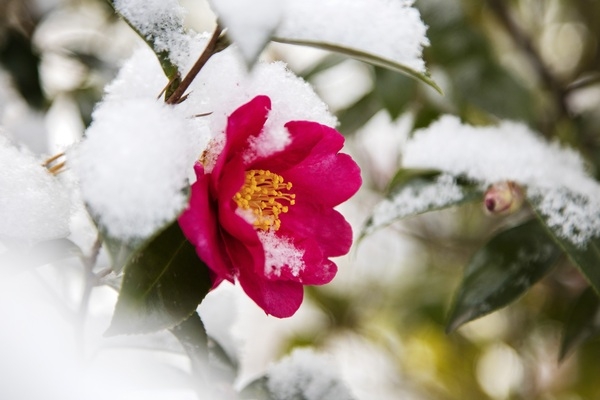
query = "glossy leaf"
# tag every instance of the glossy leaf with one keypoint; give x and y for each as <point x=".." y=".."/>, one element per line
<point x="586" y="258"/>
<point x="163" y="284"/>
<point x="503" y="270"/>
<point x="366" y="57"/>
<point x="583" y="323"/>
<point x="412" y="192"/>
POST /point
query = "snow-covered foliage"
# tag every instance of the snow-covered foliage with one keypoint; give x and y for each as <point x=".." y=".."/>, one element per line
<point x="34" y="205"/>
<point x="569" y="196"/>
<point x="389" y="29"/>
<point x="308" y="375"/>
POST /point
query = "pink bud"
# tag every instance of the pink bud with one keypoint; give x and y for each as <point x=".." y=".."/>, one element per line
<point x="503" y="198"/>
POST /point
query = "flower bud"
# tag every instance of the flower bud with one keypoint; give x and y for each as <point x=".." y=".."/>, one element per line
<point x="503" y="198"/>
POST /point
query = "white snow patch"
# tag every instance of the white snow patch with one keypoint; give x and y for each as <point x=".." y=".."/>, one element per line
<point x="411" y="201"/>
<point x="308" y="375"/>
<point x="280" y="254"/>
<point x="224" y="85"/>
<point x="570" y="198"/>
<point x="249" y="23"/>
<point x="159" y="21"/>
<point x="34" y="205"/>
<point x="133" y="165"/>
<point x="390" y="29"/>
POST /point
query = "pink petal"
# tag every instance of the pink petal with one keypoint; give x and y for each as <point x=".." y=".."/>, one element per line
<point x="326" y="179"/>
<point x="278" y="298"/>
<point x="248" y="120"/>
<point x="317" y="269"/>
<point x="199" y="225"/>
<point x="325" y="225"/>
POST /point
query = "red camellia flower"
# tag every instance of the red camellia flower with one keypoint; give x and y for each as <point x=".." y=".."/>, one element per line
<point x="268" y="221"/>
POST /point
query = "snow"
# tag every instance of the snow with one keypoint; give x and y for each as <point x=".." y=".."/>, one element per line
<point x="159" y="21"/>
<point x="554" y="175"/>
<point x="133" y="166"/>
<point x="411" y="201"/>
<point x="249" y="23"/>
<point x="34" y="205"/>
<point x="390" y="29"/>
<point x="224" y="84"/>
<point x="308" y="375"/>
<point x="280" y="253"/>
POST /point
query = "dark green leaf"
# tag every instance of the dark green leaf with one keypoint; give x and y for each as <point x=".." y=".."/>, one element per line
<point x="503" y="270"/>
<point x="356" y="116"/>
<point x="366" y="57"/>
<point x="19" y="57"/>
<point x="163" y="284"/>
<point x="396" y="91"/>
<point x="583" y="323"/>
<point x="586" y="257"/>
<point x="18" y="260"/>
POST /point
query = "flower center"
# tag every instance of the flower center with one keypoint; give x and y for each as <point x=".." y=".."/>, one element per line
<point x="262" y="194"/>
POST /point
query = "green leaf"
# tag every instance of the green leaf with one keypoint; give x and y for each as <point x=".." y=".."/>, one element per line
<point x="503" y="270"/>
<point x="583" y="323"/>
<point x="586" y="258"/>
<point x="366" y="57"/>
<point x="19" y="260"/>
<point x="163" y="284"/>
<point x="169" y="68"/>
<point x="413" y="191"/>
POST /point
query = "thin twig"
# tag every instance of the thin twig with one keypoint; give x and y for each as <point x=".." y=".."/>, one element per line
<point x="522" y="40"/>
<point x="212" y="47"/>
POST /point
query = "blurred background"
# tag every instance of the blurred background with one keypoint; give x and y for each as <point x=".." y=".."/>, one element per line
<point x="384" y="316"/>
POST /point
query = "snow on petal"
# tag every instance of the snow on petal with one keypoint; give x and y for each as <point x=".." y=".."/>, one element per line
<point x="280" y="253"/>
<point x="133" y="166"/>
<point x="395" y="29"/>
<point x="249" y="23"/>
<point x="34" y="205"/>
<point x="224" y="83"/>
<point x="569" y="196"/>
<point x="308" y="375"/>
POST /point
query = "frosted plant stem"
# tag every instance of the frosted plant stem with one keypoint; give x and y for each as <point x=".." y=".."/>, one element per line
<point x="213" y="46"/>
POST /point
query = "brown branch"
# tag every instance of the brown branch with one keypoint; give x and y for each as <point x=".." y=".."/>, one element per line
<point x="212" y="47"/>
<point x="523" y="41"/>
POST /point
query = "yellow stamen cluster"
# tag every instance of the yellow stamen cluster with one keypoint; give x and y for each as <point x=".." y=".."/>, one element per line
<point x="262" y="194"/>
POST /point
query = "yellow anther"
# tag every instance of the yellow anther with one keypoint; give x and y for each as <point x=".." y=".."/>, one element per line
<point x="262" y="194"/>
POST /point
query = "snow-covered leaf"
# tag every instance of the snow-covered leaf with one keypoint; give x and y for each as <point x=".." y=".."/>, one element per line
<point x="160" y="24"/>
<point x="34" y="204"/>
<point x="503" y="270"/>
<point x="163" y="284"/>
<point x="585" y="256"/>
<point x="249" y="23"/>
<point x="387" y="33"/>
<point x="415" y="191"/>
<point x="555" y="177"/>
